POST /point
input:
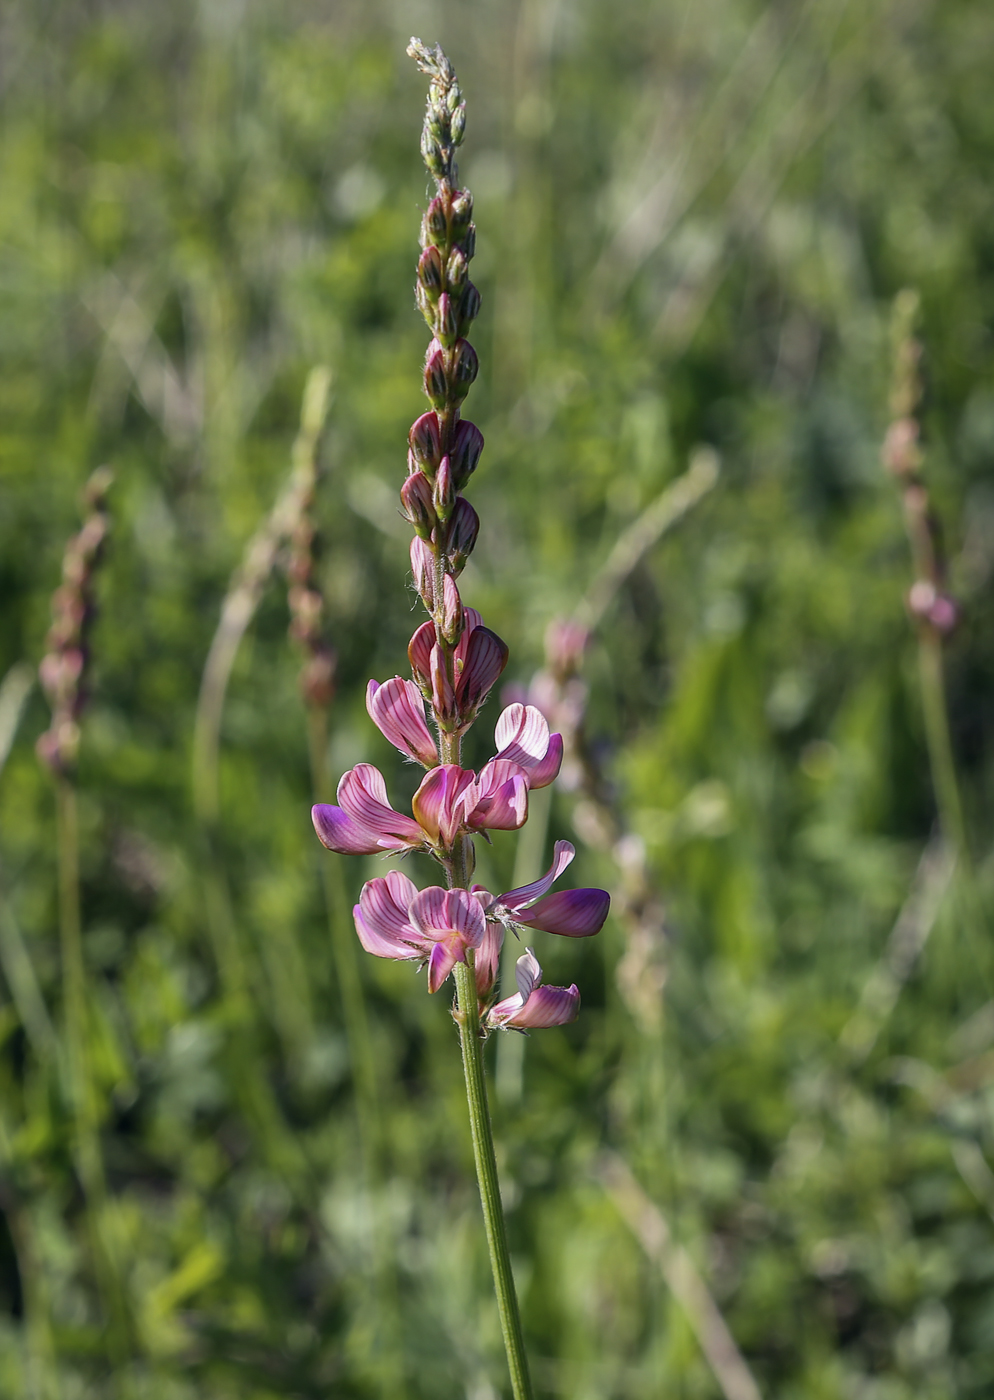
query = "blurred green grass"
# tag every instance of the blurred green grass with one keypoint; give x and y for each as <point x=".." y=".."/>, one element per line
<point x="692" y="224"/>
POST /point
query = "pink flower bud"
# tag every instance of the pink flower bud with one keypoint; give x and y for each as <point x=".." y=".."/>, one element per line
<point x="900" y="452"/>
<point x="469" y="308"/>
<point x="446" y="320"/>
<point x="930" y="605"/>
<point x="452" y="612"/>
<point x="457" y="268"/>
<point x="464" y="369"/>
<point x="463" y="529"/>
<point x="462" y="213"/>
<point x="435" y="222"/>
<point x="467" y="444"/>
<point x="430" y="272"/>
<point x="425" y="442"/>
<point x="444" y="494"/>
<point x="423" y="568"/>
<point x="436" y="384"/>
<point x="443" y="697"/>
<point x="415" y="494"/>
<point x="419" y="655"/>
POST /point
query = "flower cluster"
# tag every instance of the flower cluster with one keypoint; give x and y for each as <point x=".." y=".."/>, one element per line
<point x="455" y="663"/>
<point x="63" y="667"/>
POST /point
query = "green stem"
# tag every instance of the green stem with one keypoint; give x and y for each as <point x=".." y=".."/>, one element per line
<point x="937" y="737"/>
<point x="362" y="1062"/>
<point x="468" y="1017"/>
<point x="86" y="1138"/>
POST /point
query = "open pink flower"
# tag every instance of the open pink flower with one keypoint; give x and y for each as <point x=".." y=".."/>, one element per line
<point x="364" y="823"/>
<point x="534" y="1006"/>
<point x="397" y="710"/>
<point x="435" y="926"/>
<point x="452" y="800"/>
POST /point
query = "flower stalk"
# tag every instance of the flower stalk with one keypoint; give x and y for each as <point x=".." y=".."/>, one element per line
<point x="457" y="930"/>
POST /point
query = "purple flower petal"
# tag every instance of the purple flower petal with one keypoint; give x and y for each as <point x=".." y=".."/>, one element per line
<point x="363" y="797"/>
<point x="397" y="710"/>
<point x="517" y="900"/>
<point x="547" y="1006"/>
<point x="340" y="833"/>
<point x="487" y="959"/>
<point x="574" y="913"/>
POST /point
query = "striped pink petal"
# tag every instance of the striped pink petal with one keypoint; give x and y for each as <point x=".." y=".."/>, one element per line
<point x="381" y="917"/>
<point x="517" y="900"/>
<point x="522" y="735"/>
<point x="340" y="833"/>
<point x="362" y="794"/>
<point x="534" y="1006"/>
<point x="498" y="800"/>
<point x="397" y="710"/>
<point x="485" y="658"/>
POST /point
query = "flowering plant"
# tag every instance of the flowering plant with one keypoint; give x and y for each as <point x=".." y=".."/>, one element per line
<point x="455" y="662"/>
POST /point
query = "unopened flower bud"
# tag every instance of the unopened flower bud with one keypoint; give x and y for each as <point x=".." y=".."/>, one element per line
<point x="446" y="325"/>
<point x="444" y="493"/>
<point x="452" y="612"/>
<point x="463" y="529"/>
<point x="419" y="655"/>
<point x="457" y="268"/>
<point x="459" y="124"/>
<point x="436" y="384"/>
<point x="432" y="153"/>
<point x="317" y="678"/>
<point x="443" y="696"/>
<point x="430" y="271"/>
<point x="425" y="305"/>
<point x="464" y="370"/>
<point x="423" y="568"/>
<point x="415" y="494"/>
<point x="467" y="444"/>
<point x="435" y="223"/>
<point x="425" y="442"/>
<point x="469" y="308"/>
<point x="462" y="213"/>
<point x="468" y="242"/>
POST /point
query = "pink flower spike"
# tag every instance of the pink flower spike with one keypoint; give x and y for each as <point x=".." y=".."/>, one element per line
<point x="535" y="1006"/>
<point x="437" y="803"/>
<point x="522" y="735"/>
<point x="397" y="710"/>
<point x="381" y="918"/>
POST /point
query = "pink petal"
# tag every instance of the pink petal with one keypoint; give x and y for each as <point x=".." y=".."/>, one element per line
<point x="363" y="796"/>
<point x="485" y="658"/>
<point x="547" y="1006"/>
<point x="574" y="913"/>
<point x="340" y="833"/>
<point x="440" y="914"/>
<point x="527" y="974"/>
<point x="436" y="803"/>
<point x="517" y="900"/>
<point x="495" y="804"/>
<point x="443" y="959"/>
<point x="419" y="652"/>
<point x="423" y="569"/>
<point x="442" y="695"/>
<point x="382" y="920"/>
<point x="397" y="710"/>
<point x="488" y="957"/>
<point x="522" y="735"/>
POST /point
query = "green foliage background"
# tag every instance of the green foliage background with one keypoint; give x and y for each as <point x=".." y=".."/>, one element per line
<point x="692" y="224"/>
